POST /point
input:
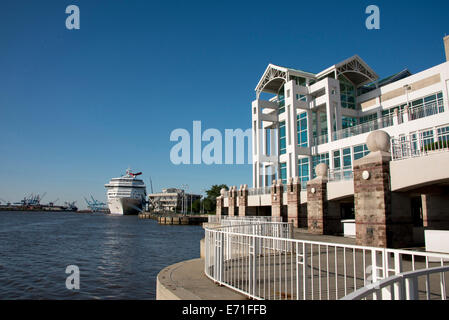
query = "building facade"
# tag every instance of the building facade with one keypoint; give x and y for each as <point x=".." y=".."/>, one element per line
<point x="172" y="200"/>
<point x="326" y="117"/>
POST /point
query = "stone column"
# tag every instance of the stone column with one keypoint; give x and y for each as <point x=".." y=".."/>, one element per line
<point x="219" y="207"/>
<point x="317" y="205"/>
<point x="276" y="198"/>
<point x="232" y="201"/>
<point x="220" y="203"/>
<point x="293" y="201"/>
<point x="243" y="200"/>
<point x="376" y="225"/>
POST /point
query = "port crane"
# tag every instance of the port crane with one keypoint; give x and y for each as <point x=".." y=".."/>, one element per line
<point x="70" y="205"/>
<point x="95" y="205"/>
<point x="52" y="203"/>
<point x="31" y="200"/>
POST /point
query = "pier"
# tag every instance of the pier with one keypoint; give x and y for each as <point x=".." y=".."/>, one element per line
<point x="175" y="219"/>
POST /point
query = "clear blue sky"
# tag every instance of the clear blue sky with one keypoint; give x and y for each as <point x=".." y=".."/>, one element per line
<point x="79" y="106"/>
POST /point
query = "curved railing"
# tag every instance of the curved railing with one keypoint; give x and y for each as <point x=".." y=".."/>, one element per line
<point x="262" y="261"/>
<point x="404" y="286"/>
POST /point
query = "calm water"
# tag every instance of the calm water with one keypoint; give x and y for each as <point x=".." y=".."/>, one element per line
<point x="118" y="257"/>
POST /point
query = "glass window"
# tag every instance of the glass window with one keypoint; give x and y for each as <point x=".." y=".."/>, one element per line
<point x="427" y="138"/>
<point x="347" y="161"/>
<point x="282" y="138"/>
<point x="302" y="130"/>
<point x="417" y="102"/>
<point x="347" y="93"/>
<point x="360" y="151"/>
<point x="303" y="166"/>
<point x="431" y="98"/>
<point x="300" y="81"/>
<point x="348" y="122"/>
<point x="368" y="118"/>
<point x="283" y="167"/>
<point x="337" y="160"/>
<point x="281" y="110"/>
<point x="443" y="136"/>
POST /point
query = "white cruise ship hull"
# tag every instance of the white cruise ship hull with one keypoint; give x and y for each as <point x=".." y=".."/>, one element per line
<point x="125" y="206"/>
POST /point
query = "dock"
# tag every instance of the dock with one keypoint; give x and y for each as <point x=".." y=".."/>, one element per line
<point x="174" y="219"/>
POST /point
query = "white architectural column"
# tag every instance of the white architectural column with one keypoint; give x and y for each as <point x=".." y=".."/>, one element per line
<point x="256" y="127"/>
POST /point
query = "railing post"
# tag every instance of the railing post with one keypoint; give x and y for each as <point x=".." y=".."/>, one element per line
<point x="218" y="259"/>
<point x="411" y="288"/>
<point x="305" y="271"/>
<point x="253" y="253"/>
<point x="398" y="288"/>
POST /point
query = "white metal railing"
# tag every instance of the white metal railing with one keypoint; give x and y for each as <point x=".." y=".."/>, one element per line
<point x="250" y="260"/>
<point x="417" y="146"/>
<point x="375" y="124"/>
<point x="227" y="220"/>
<point x="426" y="110"/>
<point x="259" y="191"/>
<point x="345" y="173"/>
<point x="414" y="113"/>
<point x="405" y="286"/>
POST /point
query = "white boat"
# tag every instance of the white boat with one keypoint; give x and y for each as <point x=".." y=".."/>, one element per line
<point x="126" y="194"/>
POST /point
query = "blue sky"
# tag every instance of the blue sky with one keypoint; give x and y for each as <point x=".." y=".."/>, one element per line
<point x="77" y="107"/>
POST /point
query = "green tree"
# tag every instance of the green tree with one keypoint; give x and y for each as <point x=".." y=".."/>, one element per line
<point x="196" y="206"/>
<point x="209" y="205"/>
<point x="214" y="191"/>
<point x="210" y="202"/>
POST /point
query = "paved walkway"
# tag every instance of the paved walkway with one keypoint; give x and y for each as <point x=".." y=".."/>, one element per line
<point x="186" y="281"/>
<point x="303" y="234"/>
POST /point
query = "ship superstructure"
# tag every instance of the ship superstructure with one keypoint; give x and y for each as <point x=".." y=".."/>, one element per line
<point x="126" y="194"/>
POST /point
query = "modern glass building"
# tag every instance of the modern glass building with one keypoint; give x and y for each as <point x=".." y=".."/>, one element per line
<point x="301" y="119"/>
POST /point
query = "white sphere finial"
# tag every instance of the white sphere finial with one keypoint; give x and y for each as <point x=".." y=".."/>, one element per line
<point x="321" y="170"/>
<point x="378" y="141"/>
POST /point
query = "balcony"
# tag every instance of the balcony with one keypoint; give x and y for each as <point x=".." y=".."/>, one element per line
<point x="413" y="113"/>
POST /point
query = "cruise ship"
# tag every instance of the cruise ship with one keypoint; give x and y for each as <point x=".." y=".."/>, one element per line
<point x="126" y="194"/>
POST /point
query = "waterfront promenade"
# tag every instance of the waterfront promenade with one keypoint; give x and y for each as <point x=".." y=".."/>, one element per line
<point x="186" y="280"/>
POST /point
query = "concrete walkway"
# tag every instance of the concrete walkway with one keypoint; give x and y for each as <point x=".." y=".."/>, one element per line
<point x="186" y="281"/>
<point x="303" y="234"/>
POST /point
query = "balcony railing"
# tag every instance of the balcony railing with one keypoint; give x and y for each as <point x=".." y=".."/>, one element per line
<point x="426" y="110"/>
<point x="417" y="146"/>
<point x="259" y="191"/>
<point x="414" y="113"/>
<point x="345" y="173"/>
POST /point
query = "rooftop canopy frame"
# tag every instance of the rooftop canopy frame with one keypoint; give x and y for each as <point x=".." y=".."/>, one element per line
<point x="357" y="71"/>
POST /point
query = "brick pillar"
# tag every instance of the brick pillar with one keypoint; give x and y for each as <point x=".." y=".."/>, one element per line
<point x="243" y="200"/>
<point x="276" y="198"/>
<point x="219" y="208"/>
<point x="293" y="201"/>
<point x="377" y="223"/>
<point x="317" y="205"/>
<point x="232" y="201"/>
